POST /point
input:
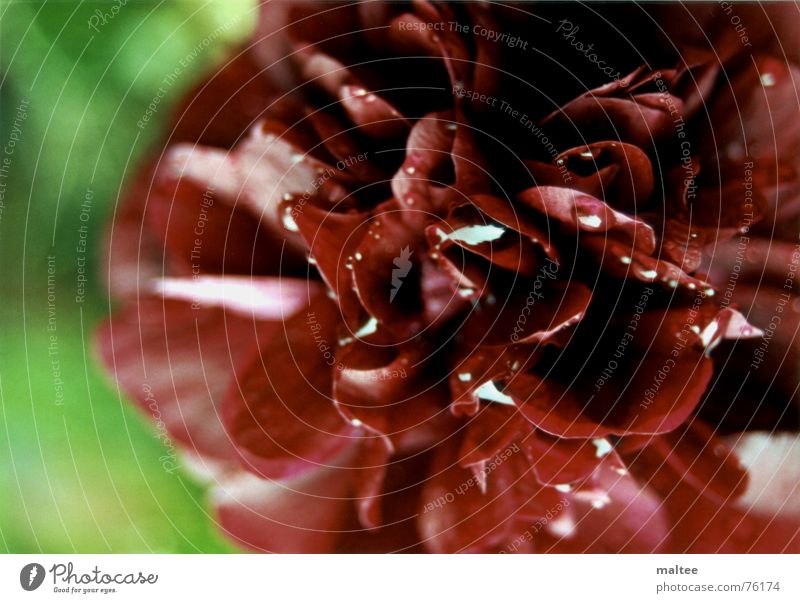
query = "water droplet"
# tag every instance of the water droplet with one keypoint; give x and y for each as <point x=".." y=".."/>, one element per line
<point x="359" y="257"/>
<point x="288" y="196"/>
<point x="477" y="234"/>
<point x="591" y="221"/>
<point x="311" y="259"/>
<point x="464" y="377"/>
<point x="603" y="447"/>
<point x="288" y="220"/>
<point x="410" y="169"/>
<point x="625" y="259"/>
<point x="563" y="487"/>
<point x="488" y="391"/>
<point x="370" y="327"/>
<point x="451" y="126"/>
<point x="298" y="158"/>
<point x="649" y="274"/>
<point x="767" y="80"/>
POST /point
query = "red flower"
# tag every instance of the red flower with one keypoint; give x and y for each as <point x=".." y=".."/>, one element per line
<point x="478" y="278"/>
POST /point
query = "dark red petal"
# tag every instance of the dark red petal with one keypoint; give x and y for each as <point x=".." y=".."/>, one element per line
<point x="333" y="240"/>
<point x="134" y="254"/>
<point x="280" y="414"/>
<point x="618" y="172"/>
<point x="616" y="111"/>
<point x="260" y="173"/>
<point x="612" y="513"/>
<point x="653" y="386"/>
<point x="393" y="392"/>
<point x="694" y="457"/>
<point x="492" y="429"/>
<point x="624" y="261"/>
<point x="561" y="461"/>
<point x="422" y="184"/>
<point x="476" y="366"/>
<point x="224" y="107"/>
<point x="470" y="229"/>
<point x="302" y="515"/>
<point x="372" y="114"/>
<point x="519" y="219"/>
<point x="535" y="311"/>
<point x="577" y="211"/>
<point x="457" y="516"/>
<point x="177" y="363"/>
<point x="682" y="243"/>
<point x="754" y="117"/>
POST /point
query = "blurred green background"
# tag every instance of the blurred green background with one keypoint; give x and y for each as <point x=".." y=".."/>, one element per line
<point x="79" y="467"/>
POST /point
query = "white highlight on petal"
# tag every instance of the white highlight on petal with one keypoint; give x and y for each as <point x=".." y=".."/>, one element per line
<point x="465" y="376"/>
<point x="475" y="235"/>
<point x="767" y="80"/>
<point x="488" y="391"/>
<point x="603" y="447"/>
<point x="563" y="487"/>
<point x="708" y="333"/>
<point x="370" y="327"/>
<point x="591" y="221"/>
<point x="563" y="526"/>
<point x="649" y="274"/>
<point x="288" y="220"/>
<point x="262" y="298"/>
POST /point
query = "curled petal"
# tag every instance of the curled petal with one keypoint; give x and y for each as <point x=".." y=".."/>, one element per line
<point x="580" y="212"/>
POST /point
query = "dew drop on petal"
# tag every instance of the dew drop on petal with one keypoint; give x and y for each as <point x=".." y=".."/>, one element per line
<point x="370" y="327"/>
<point x="488" y="391"/>
<point x="288" y="220"/>
<point x="603" y="447"/>
<point x="591" y="221"/>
